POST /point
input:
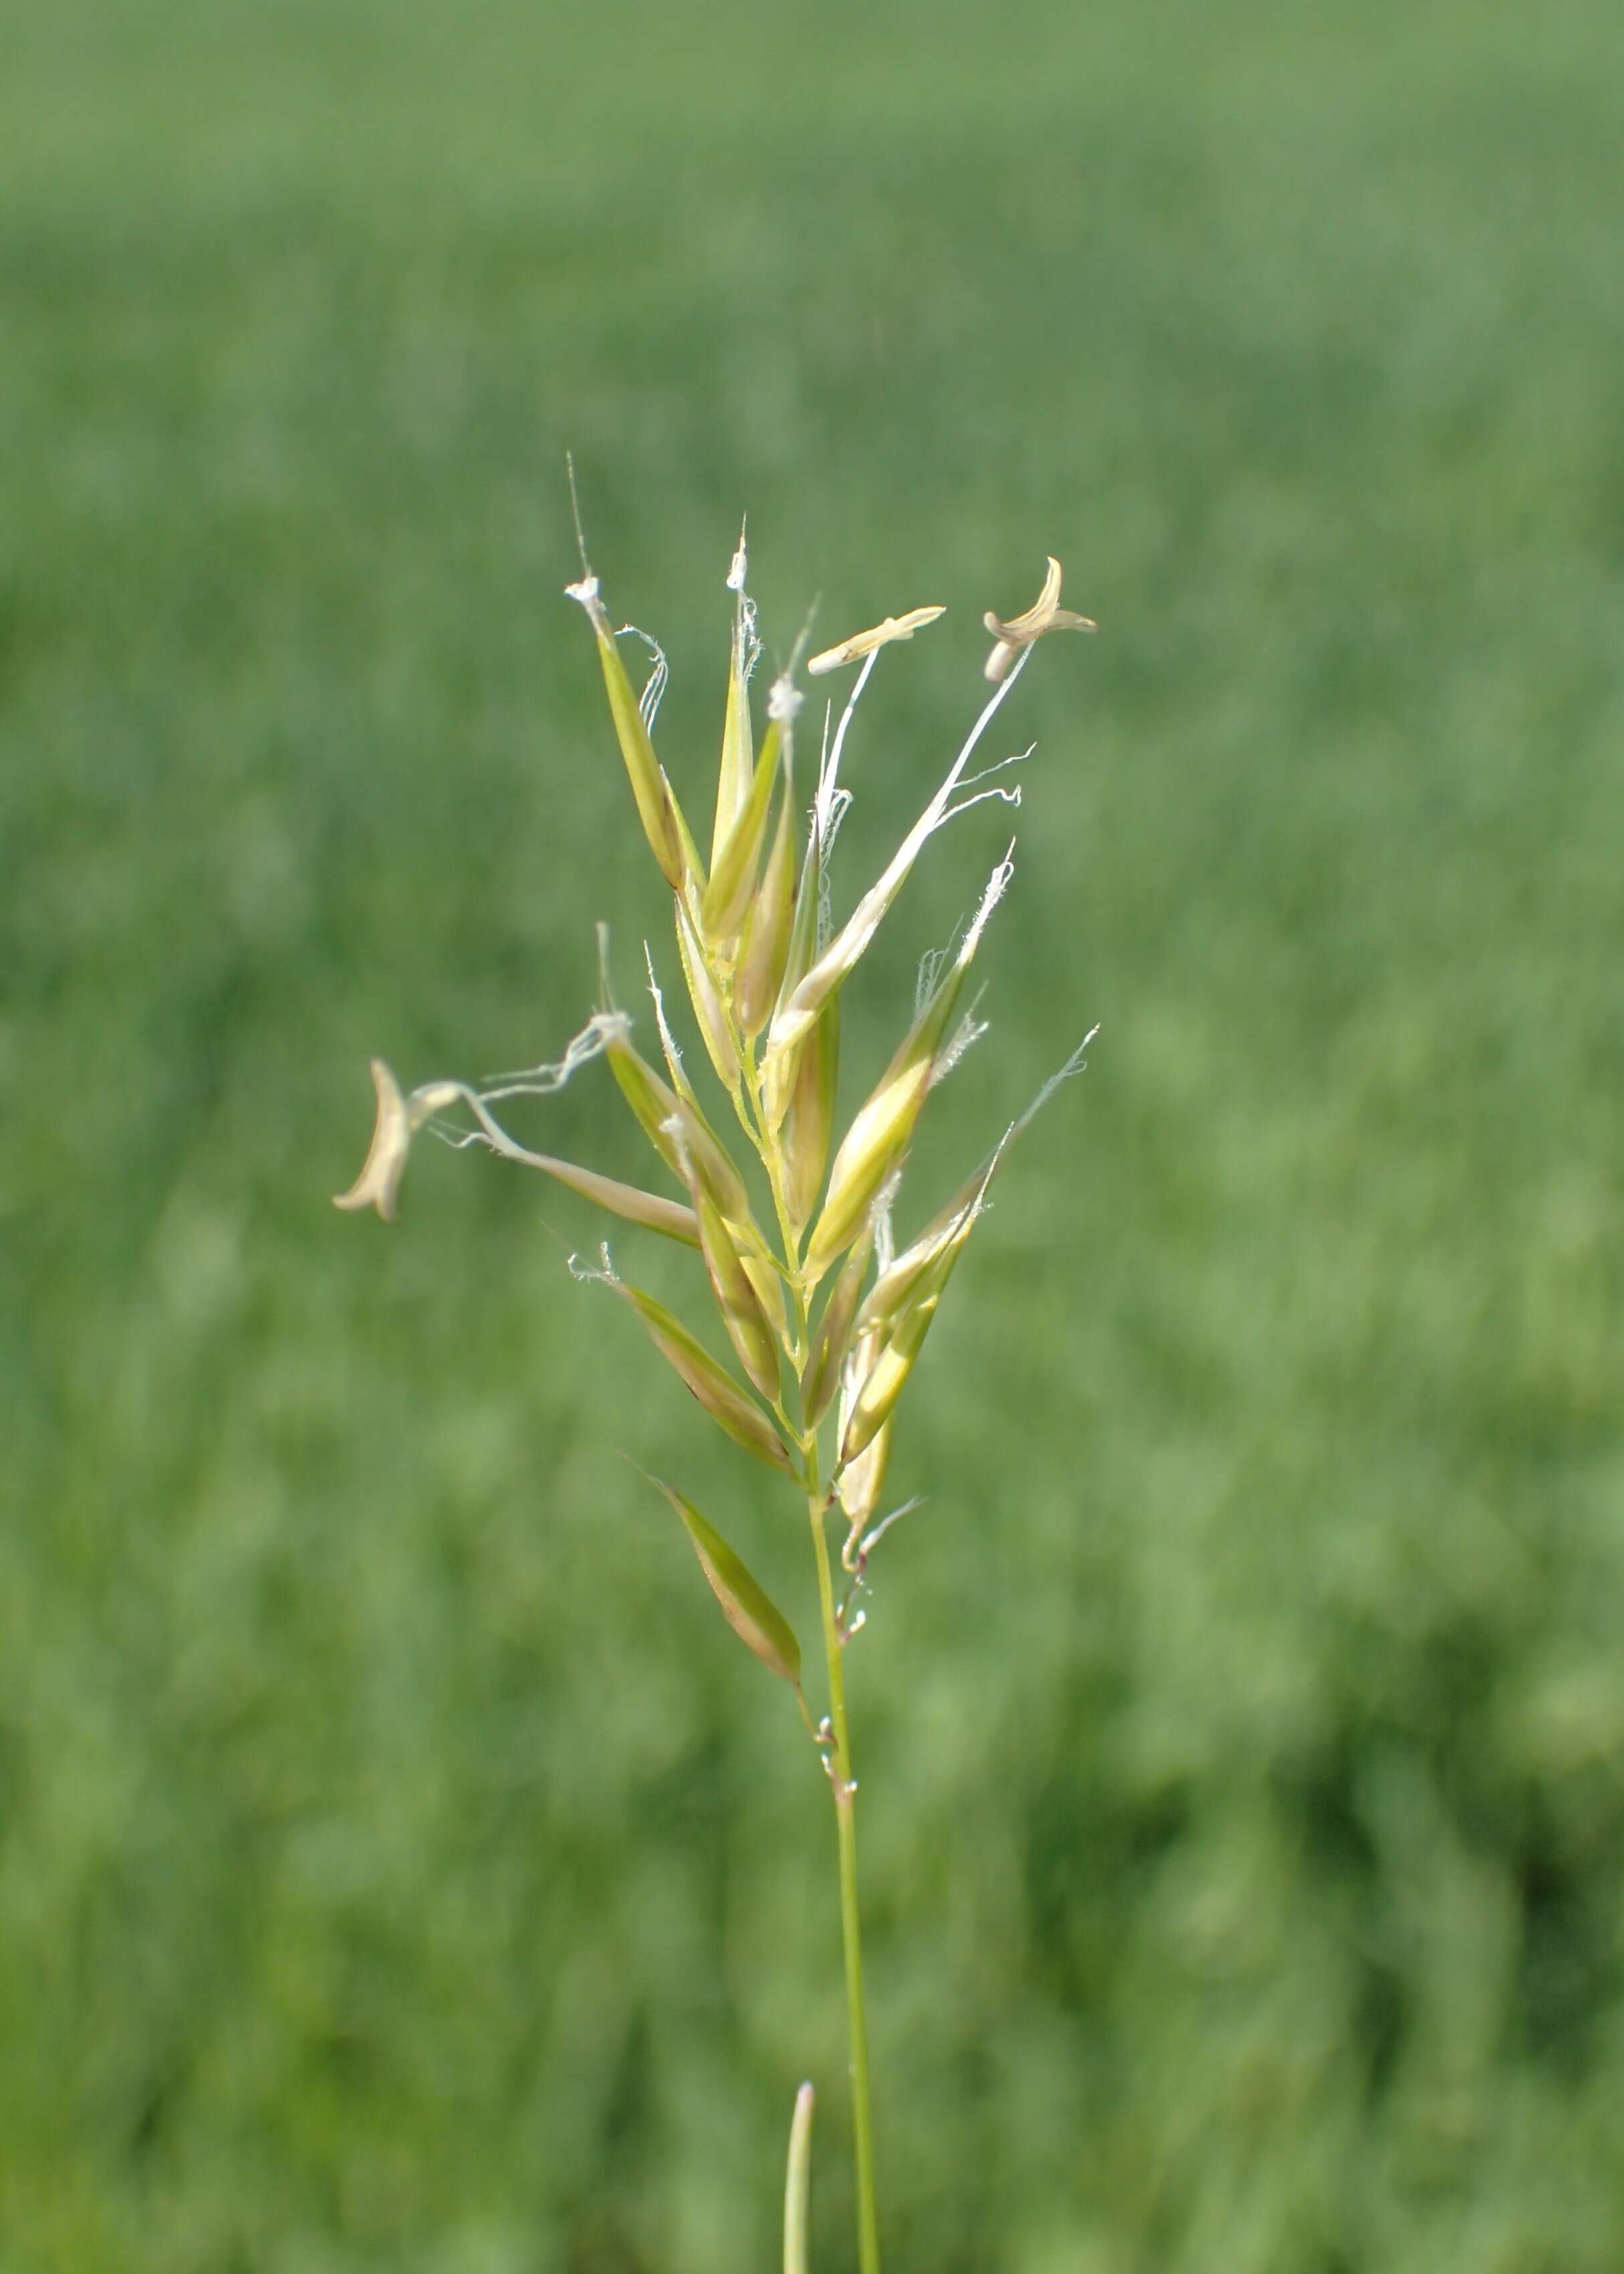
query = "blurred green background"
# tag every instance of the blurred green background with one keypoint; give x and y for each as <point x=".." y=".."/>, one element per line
<point x="402" y="1867"/>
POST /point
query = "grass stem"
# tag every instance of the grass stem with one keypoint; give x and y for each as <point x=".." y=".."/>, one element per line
<point x="845" y="1789"/>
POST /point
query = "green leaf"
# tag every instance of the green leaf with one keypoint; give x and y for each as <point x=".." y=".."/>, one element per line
<point x="746" y="1606"/>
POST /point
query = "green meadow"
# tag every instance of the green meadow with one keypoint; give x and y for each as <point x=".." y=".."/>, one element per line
<point x="401" y="1868"/>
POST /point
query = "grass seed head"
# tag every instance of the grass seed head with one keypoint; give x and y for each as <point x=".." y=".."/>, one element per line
<point x="765" y="967"/>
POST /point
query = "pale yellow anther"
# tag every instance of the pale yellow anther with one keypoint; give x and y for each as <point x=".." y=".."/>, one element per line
<point x="1045" y="615"/>
<point x="862" y="644"/>
<point x="380" y="1175"/>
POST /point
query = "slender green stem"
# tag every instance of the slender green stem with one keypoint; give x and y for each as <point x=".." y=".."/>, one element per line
<point x="837" y="1754"/>
<point x="850" y="1927"/>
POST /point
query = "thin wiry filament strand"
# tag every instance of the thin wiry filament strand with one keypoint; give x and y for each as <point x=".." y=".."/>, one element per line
<point x="1074" y="1064"/>
<point x="544" y="1081"/>
<point x="490" y="1132"/>
<point x="1004" y="797"/>
<point x="792" y="1022"/>
<point x="932" y="964"/>
<point x="964" y="943"/>
<point x="659" y="673"/>
<point x="668" y="1043"/>
<point x="829" y="772"/>
<point x="871" y="1539"/>
<point x="1016" y="759"/>
<point x="839" y="806"/>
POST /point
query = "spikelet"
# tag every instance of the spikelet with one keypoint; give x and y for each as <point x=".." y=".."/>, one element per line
<point x="733" y="874"/>
<point x="669" y="1115"/>
<point x="729" y="1406"/>
<point x="704" y="994"/>
<point x="880" y="1134"/>
<point x="764" y="947"/>
<point x="896" y="1284"/>
<point x="901" y="1274"/>
<point x="656" y="804"/>
<point x="860" y="1481"/>
<point x="760" y="1625"/>
<point x="882" y="1383"/>
<point x="780" y="1068"/>
<point x="820" y="1376"/>
<point x="756" y="1259"/>
<point x="809" y="1121"/>
<point x="733" y="787"/>
<point x="659" y="1109"/>
<point x="890" y="1326"/>
<point x="732" y="1286"/>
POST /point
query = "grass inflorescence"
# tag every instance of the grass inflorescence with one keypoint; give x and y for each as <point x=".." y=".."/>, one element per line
<point x="825" y="1318"/>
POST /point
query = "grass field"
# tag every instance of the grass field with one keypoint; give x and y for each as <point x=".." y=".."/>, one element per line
<point x="399" y="1868"/>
